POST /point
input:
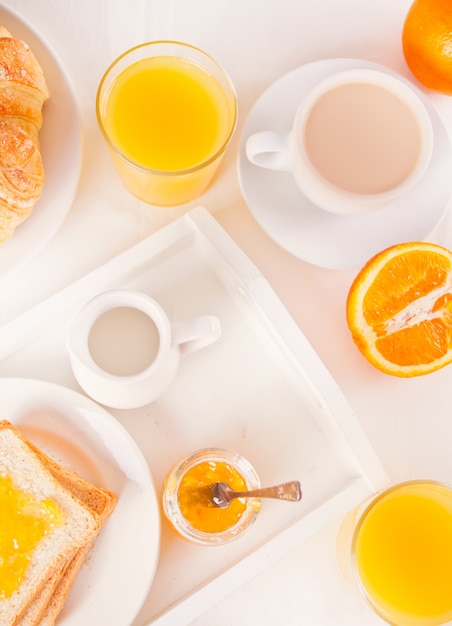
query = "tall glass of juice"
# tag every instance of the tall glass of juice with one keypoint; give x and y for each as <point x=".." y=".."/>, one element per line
<point x="167" y="111"/>
<point x="402" y="554"/>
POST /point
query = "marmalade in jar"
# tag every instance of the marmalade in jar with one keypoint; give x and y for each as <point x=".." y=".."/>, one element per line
<point x="194" y="505"/>
<point x="188" y="504"/>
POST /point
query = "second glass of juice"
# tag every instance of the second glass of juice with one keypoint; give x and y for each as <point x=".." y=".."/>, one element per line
<point x="402" y="554"/>
<point x="168" y="112"/>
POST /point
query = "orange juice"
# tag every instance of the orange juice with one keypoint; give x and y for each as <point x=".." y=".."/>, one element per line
<point x="403" y="554"/>
<point x="168" y="113"/>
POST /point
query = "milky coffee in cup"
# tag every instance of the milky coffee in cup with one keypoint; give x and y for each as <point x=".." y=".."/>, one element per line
<point x="359" y="139"/>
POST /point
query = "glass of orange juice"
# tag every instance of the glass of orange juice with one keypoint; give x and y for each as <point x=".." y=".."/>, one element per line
<point x="402" y="554"/>
<point x="167" y="111"/>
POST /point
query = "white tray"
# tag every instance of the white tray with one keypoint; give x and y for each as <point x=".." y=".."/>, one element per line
<point x="261" y="390"/>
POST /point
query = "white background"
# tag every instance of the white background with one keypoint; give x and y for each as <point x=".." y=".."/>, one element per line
<point x="257" y="41"/>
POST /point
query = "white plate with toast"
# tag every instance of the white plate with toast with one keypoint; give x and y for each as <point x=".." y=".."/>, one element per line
<point x="61" y="148"/>
<point x="82" y="436"/>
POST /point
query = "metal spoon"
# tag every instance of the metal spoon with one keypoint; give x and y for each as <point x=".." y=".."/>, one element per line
<point x="220" y="494"/>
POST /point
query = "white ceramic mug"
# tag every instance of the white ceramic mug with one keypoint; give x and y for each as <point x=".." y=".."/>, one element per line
<point x="359" y="139"/>
<point x="124" y="350"/>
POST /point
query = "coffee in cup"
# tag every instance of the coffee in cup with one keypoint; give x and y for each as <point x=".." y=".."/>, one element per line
<point x="359" y="139"/>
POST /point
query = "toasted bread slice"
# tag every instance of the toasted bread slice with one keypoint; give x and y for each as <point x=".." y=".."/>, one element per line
<point x="45" y="608"/>
<point x="79" y="526"/>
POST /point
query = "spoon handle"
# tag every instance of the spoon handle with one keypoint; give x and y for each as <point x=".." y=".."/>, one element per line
<point x="285" y="491"/>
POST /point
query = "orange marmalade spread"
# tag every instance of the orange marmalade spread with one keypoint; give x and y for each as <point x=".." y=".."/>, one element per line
<point x="24" y="521"/>
<point x="196" y="509"/>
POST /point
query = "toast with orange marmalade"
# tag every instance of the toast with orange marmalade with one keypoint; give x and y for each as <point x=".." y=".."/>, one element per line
<point x="50" y="518"/>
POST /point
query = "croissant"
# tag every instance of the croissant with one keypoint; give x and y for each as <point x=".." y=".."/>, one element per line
<point x="23" y="91"/>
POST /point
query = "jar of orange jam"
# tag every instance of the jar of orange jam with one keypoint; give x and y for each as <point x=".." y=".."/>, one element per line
<point x="188" y="507"/>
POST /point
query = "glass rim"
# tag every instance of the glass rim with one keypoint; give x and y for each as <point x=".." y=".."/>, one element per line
<point x="180" y="172"/>
<point x="355" y="570"/>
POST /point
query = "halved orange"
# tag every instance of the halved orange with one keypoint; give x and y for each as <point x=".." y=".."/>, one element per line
<point x="399" y="309"/>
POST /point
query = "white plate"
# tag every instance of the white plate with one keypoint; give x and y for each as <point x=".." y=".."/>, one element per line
<point x="76" y="432"/>
<point x="315" y="236"/>
<point x="61" y="149"/>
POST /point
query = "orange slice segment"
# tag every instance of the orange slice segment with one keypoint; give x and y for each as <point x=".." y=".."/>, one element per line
<point x="399" y="309"/>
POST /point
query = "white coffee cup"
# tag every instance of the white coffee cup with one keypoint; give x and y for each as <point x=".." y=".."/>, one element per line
<point x="124" y="350"/>
<point x="359" y="139"/>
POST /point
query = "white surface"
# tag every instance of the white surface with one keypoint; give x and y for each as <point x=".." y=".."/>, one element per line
<point x="257" y="41"/>
<point x="314" y="235"/>
<point x="326" y="449"/>
<point x="83" y="437"/>
<point x="61" y="149"/>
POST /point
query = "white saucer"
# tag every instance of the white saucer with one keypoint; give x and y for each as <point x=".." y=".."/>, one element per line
<point x="311" y="234"/>
<point x="61" y="149"/>
<point x="76" y="432"/>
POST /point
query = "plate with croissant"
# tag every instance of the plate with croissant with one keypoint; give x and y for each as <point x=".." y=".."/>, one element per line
<point x="40" y="142"/>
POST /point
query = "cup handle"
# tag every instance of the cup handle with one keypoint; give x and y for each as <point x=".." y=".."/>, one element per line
<point x="269" y="149"/>
<point x="195" y="334"/>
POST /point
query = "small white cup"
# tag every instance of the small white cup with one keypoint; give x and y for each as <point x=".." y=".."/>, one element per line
<point x="359" y="139"/>
<point x="124" y="350"/>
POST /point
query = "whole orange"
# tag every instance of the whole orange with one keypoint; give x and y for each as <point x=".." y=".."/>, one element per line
<point x="427" y="43"/>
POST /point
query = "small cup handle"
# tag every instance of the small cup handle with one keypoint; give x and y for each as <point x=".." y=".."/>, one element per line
<point x="195" y="334"/>
<point x="269" y="149"/>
